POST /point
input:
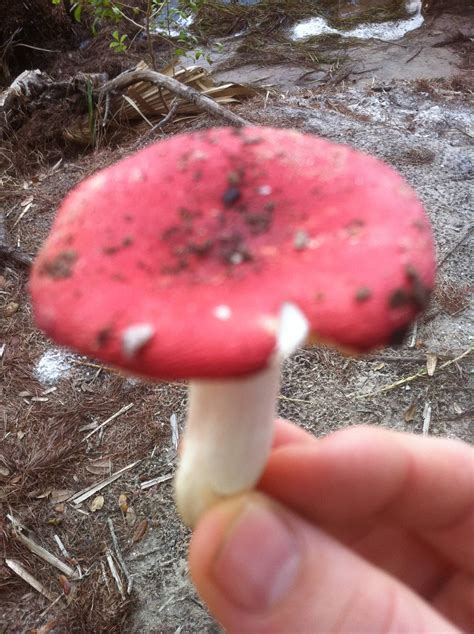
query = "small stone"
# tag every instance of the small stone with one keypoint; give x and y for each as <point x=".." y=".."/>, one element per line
<point x="11" y="309"/>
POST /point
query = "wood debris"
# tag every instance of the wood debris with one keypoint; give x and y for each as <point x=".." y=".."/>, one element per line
<point x="413" y="377"/>
<point x="88" y="492"/>
<point x="174" y="431"/>
<point x="146" y="104"/>
<point x="119" y="556"/>
<point x="100" y="466"/>
<point x="150" y="483"/>
<point x="109" y="420"/>
<point x="431" y="363"/>
<point x="115" y="574"/>
<point x="18" y="569"/>
<point x="41" y="552"/>
<point x="426" y="418"/>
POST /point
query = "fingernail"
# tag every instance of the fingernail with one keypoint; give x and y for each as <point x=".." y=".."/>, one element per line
<point x="258" y="563"/>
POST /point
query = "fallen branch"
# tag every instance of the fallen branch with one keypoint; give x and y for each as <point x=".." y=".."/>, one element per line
<point x="17" y="256"/>
<point x="187" y="93"/>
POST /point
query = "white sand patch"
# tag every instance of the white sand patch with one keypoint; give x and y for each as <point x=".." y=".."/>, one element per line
<point x="386" y="31"/>
<point x="54" y="365"/>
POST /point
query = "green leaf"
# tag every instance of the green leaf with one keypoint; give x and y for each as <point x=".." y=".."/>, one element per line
<point x="180" y="51"/>
<point x="77" y="12"/>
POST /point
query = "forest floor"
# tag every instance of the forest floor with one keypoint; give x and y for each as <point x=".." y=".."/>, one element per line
<point x="409" y="103"/>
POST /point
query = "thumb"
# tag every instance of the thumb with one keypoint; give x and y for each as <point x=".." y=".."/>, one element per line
<point x="261" y="568"/>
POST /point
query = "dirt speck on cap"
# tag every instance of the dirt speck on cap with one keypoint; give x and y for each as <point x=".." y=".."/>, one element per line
<point x="61" y="266"/>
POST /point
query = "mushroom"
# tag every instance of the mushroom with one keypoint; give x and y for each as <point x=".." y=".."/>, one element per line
<point x="212" y="256"/>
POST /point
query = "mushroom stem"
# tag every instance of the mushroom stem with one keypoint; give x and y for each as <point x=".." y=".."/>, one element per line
<point x="228" y="436"/>
<point x="229" y="428"/>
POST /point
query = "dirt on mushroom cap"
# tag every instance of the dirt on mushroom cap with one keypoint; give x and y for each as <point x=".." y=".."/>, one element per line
<point x="185" y="252"/>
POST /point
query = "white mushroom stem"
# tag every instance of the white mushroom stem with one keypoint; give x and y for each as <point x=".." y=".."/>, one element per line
<point x="229" y="429"/>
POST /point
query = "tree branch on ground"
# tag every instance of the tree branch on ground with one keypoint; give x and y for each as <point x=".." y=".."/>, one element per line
<point x="126" y="79"/>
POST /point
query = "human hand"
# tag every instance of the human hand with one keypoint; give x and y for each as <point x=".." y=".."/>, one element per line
<point x="365" y="530"/>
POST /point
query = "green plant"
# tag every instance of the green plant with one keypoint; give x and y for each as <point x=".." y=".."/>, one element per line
<point x="118" y="42"/>
<point x="152" y="16"/>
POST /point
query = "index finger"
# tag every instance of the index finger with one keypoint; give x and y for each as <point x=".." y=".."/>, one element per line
<point x="423" y="484"/>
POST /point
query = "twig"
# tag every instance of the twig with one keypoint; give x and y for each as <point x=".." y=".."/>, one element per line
<point x="294" y="400"/>
<point x="185" y="92"/>
<point x="118" y="554"/>
<point x="150" y="483"/>
<point x="45" y="555"/>
<point x="37" y="48"/>
<point x="174" y="431"/>
<point x="109" y="420"/>
<point x="456" y="245"/>
<point x="89" y="364"/>
<point x="410" y="59"/>
<point x="413" y="377"/>
<point x="18" y="569"/>
<point x="426" y="418"/>
<point x="414" y="335"/>
<point x="115" y="574"/>
<point x="149" y="41"/>
<point x="85" y="494"/>
<point x="170" y="115"/>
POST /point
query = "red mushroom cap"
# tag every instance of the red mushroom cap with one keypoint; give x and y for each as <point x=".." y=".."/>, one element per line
<point x="176" y="261"/>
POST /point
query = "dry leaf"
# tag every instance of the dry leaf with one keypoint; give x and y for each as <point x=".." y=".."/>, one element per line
<point x="100" y="466"/>
<point x="60" y="508"/>
<point x="123" y="503"/>
<point x="60" y="495"/>
<point x="140" y="531"/>
<point x="431" y="363"/>
<point x="4" y="472"/>
<point x="379" y="366"/>
<point x="131" y="516"/>
<point x="410" y="413"/>
<point x="55" y="521"/>
<point x="20" y="434"/>
<point x="458" y="409"/>
<point x="65" y="584"/>
<point x="97" y="503"/>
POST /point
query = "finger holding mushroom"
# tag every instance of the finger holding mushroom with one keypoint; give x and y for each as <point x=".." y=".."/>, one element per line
<point x="212" y="256"/>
